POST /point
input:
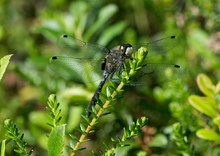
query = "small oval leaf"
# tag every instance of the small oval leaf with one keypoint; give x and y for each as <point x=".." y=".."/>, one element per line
<point x="208" y="134"/>
<point x="206" y="85"/>
<point x="217" y="121"/>
<point x="205" y="105"/>
<point x="159" y="140"/>
<point x="3" y="64"/>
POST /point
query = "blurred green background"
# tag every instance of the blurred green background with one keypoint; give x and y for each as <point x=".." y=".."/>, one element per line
<point x="29" y="30"/>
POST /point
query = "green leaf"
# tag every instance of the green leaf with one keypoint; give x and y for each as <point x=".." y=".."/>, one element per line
<point x="111" y="32"/>
<point x="205" y="105"/>
<point x="86" y="119"/>
<point x="104" y="15"/>
<point x="56" y="141"/>
<point x="80" y="149"/>
<point x="82" y="127"/>
<point x="74" y="113"/>
<point x="217" y="121"/>
<point x="217" y="88"/>
<point x="208" y="134"/>
<point x="3" y="148"/>
<point x="3" y="64"/>
<point x="206" y="85"/>
<point x="107" y="12"/>
<point x="159" y="140"/>
<point x="108" y="92"/>
<point x="49" y="28"/>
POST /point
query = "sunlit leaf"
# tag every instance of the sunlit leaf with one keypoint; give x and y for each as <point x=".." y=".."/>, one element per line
<point x="208" y="134"/>
<point x="56" y="141"/>
<point x="205" y="105"/>
<point x="73" y="117"/>
<point x="218" y="87"/>
<point x="111" y="32"/>
<point x="105" y="14"/>
<point x="3" y="148"/>
<point x="3" y="64"/>
<point x="206" y="85"/>
<point x="159" y="141"/>
<point x="217" y="121"/>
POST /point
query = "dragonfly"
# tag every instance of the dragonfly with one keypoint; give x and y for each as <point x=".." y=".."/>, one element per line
<point x="81" y="54"/>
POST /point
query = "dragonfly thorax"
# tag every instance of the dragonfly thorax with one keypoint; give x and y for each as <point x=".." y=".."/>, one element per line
<point x="116" y="57"/>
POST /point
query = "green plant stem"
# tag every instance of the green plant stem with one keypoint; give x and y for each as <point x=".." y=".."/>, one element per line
<point x="89" y="127"/>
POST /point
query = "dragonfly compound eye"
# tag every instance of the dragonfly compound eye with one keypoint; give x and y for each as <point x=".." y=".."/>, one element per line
<point x="126" y="49"/>
<point x="129" y="51"/>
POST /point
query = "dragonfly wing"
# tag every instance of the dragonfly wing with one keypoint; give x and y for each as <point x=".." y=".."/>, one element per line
<point x="82" y="70"/>
<point x="159" y="47"/>
<point x="74" y="47"/>
<point x="78" y="60"/>
<point x="157" y="73"/>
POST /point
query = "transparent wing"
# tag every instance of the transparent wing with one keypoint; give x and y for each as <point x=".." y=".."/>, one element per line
<point x="157" y="73"/>
<point x="82" y="70"/>
<point x="82" y="61"/>
<point x="78" y="60"/>
<point x="74" y="47"/>
<point x="159" y="48"/>
<point x="157" y="67"/>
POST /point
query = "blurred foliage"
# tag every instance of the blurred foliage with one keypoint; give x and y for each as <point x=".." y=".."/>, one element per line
<point x="13" y="133"/>
<point x="179" y="135"/>
<point x="207" y="105"/>
<point x="29" y="30"/>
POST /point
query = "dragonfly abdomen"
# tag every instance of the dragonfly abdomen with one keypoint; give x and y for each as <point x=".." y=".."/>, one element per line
<point x="96" y="94"/>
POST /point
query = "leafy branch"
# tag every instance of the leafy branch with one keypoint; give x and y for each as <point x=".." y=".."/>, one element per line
<point x="182" y="141"/>
<point x="129" y="71"/>
<point x="128" y="133"/>
<point x="57" y="134"/>
<point x="54" y="111"/>
<point x="14" y="134"/>
<point x="56" y="137"/>
<point x="207" y="105"/>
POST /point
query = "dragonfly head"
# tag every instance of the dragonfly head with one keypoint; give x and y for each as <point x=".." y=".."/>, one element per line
<point x="127" y="49"/>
